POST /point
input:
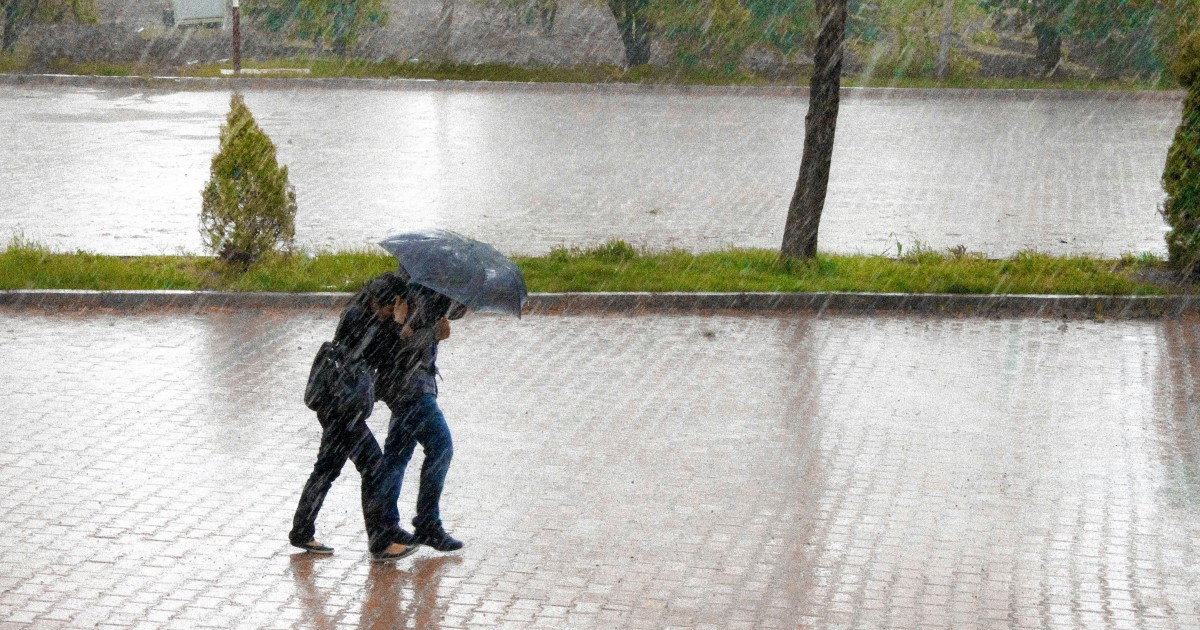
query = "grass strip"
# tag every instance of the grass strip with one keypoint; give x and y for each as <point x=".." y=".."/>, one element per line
<point x="615" y="266"/>
<point x="320" y="66"/>
<point x="325" y="67"/>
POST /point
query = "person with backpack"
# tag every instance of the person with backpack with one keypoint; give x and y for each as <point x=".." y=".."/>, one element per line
<point x="345" y="435"/>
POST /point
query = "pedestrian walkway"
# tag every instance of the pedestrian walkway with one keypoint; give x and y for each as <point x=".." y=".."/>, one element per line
<point x="658" y="471"/>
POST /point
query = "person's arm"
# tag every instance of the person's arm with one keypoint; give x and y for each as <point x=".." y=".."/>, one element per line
<point x="420" y="337"/>
<point x="425" y="337"/>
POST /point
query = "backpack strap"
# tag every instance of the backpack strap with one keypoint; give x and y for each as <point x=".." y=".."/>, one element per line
<point x="357" y="353"/>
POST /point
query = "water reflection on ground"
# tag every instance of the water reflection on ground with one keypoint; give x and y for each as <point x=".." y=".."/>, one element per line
<point x="649" y="471"/>
<point x="120" y="171"/>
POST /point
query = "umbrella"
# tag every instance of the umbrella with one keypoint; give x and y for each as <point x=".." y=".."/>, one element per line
<point x="465" y="270"/>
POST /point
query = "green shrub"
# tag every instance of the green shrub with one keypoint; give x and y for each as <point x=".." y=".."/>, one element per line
<point x="713" y="33"/>
<point x="1186" y="65"/>
<point x="249" y="206"/>
<point x="335" y="23"/>
<point x="902" y="38"/>
<point x="1181" y="178"/>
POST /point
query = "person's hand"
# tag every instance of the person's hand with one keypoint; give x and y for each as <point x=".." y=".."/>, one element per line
<point x="443" y="329"/>
<point x="400" y="316"/>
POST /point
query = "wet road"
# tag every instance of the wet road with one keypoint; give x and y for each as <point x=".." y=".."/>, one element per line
<point x="120" y="171"/>
<point x="640" y="472"/>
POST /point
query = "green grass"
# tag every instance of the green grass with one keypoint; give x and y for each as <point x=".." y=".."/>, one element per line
<point x="333" y="67"/>
<point x="323" y="66"/>
<point x="104" y="69"/>
<point x="326" y="67"/>
<point x="28" y="265"/>
<point x="615" y="266"/>
<point x="14" y="61"/>
<point x="994" y="83"/>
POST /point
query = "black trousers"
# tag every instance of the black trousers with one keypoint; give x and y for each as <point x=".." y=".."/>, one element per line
<point x="341" y="439"/>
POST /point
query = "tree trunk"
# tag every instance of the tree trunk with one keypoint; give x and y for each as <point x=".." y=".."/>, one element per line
<point x="1049" y="47"/>
<point x="15" y="11"/>
<point x="546" y="10"/>
<point x="943" y="60"/>
<point x="635" y="30"/>
<point x="8" y="39"/>
<point x="339" y="28"/>
<point x="443" y="32"/>
<point x="808" y="201"/>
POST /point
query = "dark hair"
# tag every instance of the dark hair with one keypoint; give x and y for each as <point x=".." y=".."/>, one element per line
<point x="384" y="288"/>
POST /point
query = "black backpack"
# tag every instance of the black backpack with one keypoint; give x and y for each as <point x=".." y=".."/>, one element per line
<point x="341" y="379"/>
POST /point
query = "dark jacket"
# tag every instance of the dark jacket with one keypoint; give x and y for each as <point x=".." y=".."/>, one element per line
<point x="356" y="321"/>
<point x="404" y="368"/>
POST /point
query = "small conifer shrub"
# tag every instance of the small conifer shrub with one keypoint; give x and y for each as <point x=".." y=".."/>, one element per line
<point x="1181" y="178"/>
<point x="249" y="207"/>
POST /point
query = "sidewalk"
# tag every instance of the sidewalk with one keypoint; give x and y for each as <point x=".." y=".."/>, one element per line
<point x="616" y="471"/>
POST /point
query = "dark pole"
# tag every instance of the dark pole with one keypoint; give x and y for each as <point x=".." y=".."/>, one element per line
<point x="237" y="38"/>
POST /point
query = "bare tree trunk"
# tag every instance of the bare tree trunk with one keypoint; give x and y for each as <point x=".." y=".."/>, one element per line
<point x="808" y="201"/>
<point x="16" y="12"/>
<point x="443" y="31"/>
<point x="8" y="39"/>
<point x="635" y="30"/>
<point x="546" y="10"/>
<point x="1049" y="47"/>
<point x="943" y="60"/>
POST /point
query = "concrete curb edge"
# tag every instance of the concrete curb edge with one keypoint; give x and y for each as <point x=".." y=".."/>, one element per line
<point x="1049" y="306"/>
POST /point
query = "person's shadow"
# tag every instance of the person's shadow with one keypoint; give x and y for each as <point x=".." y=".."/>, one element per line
<point x="385" y="607"/>
<point x="397" y="594"/>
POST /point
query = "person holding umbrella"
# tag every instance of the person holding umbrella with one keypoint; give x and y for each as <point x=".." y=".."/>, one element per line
<point x="407" y="384"/>
<point x="448" y="275"/>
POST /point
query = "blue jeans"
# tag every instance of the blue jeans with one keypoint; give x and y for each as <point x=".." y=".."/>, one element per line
<point x="416" y="421"/>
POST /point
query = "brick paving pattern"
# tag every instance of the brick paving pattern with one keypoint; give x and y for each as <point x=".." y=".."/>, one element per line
<point x="616" y="471"/>
<point x="528" y="170"/>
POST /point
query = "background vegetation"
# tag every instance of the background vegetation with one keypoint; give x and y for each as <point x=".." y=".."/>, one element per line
<point x="330" y="25"/>
<point x="1181" y="178"/>
<point x="15" y="15"/>
<point x="707" y="41"/>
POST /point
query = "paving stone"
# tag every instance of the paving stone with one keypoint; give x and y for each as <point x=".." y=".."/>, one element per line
<point x="616" y="471"/>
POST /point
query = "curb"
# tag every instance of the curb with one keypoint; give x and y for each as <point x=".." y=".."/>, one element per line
<point x="66" y="300"/>
<point x="848" y="93"/>
<point x="555" y="304"/>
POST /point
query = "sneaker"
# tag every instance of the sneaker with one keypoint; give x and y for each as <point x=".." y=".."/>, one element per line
<point x="384" y="555"/>
<point x="437" y="538"/>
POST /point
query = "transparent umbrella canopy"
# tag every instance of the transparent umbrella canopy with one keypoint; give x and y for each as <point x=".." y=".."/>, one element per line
<point x="472" y="273"/>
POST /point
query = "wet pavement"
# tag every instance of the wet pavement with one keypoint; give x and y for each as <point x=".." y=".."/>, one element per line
<point x="617" y="471"/>
<point x="119" y="171"/>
